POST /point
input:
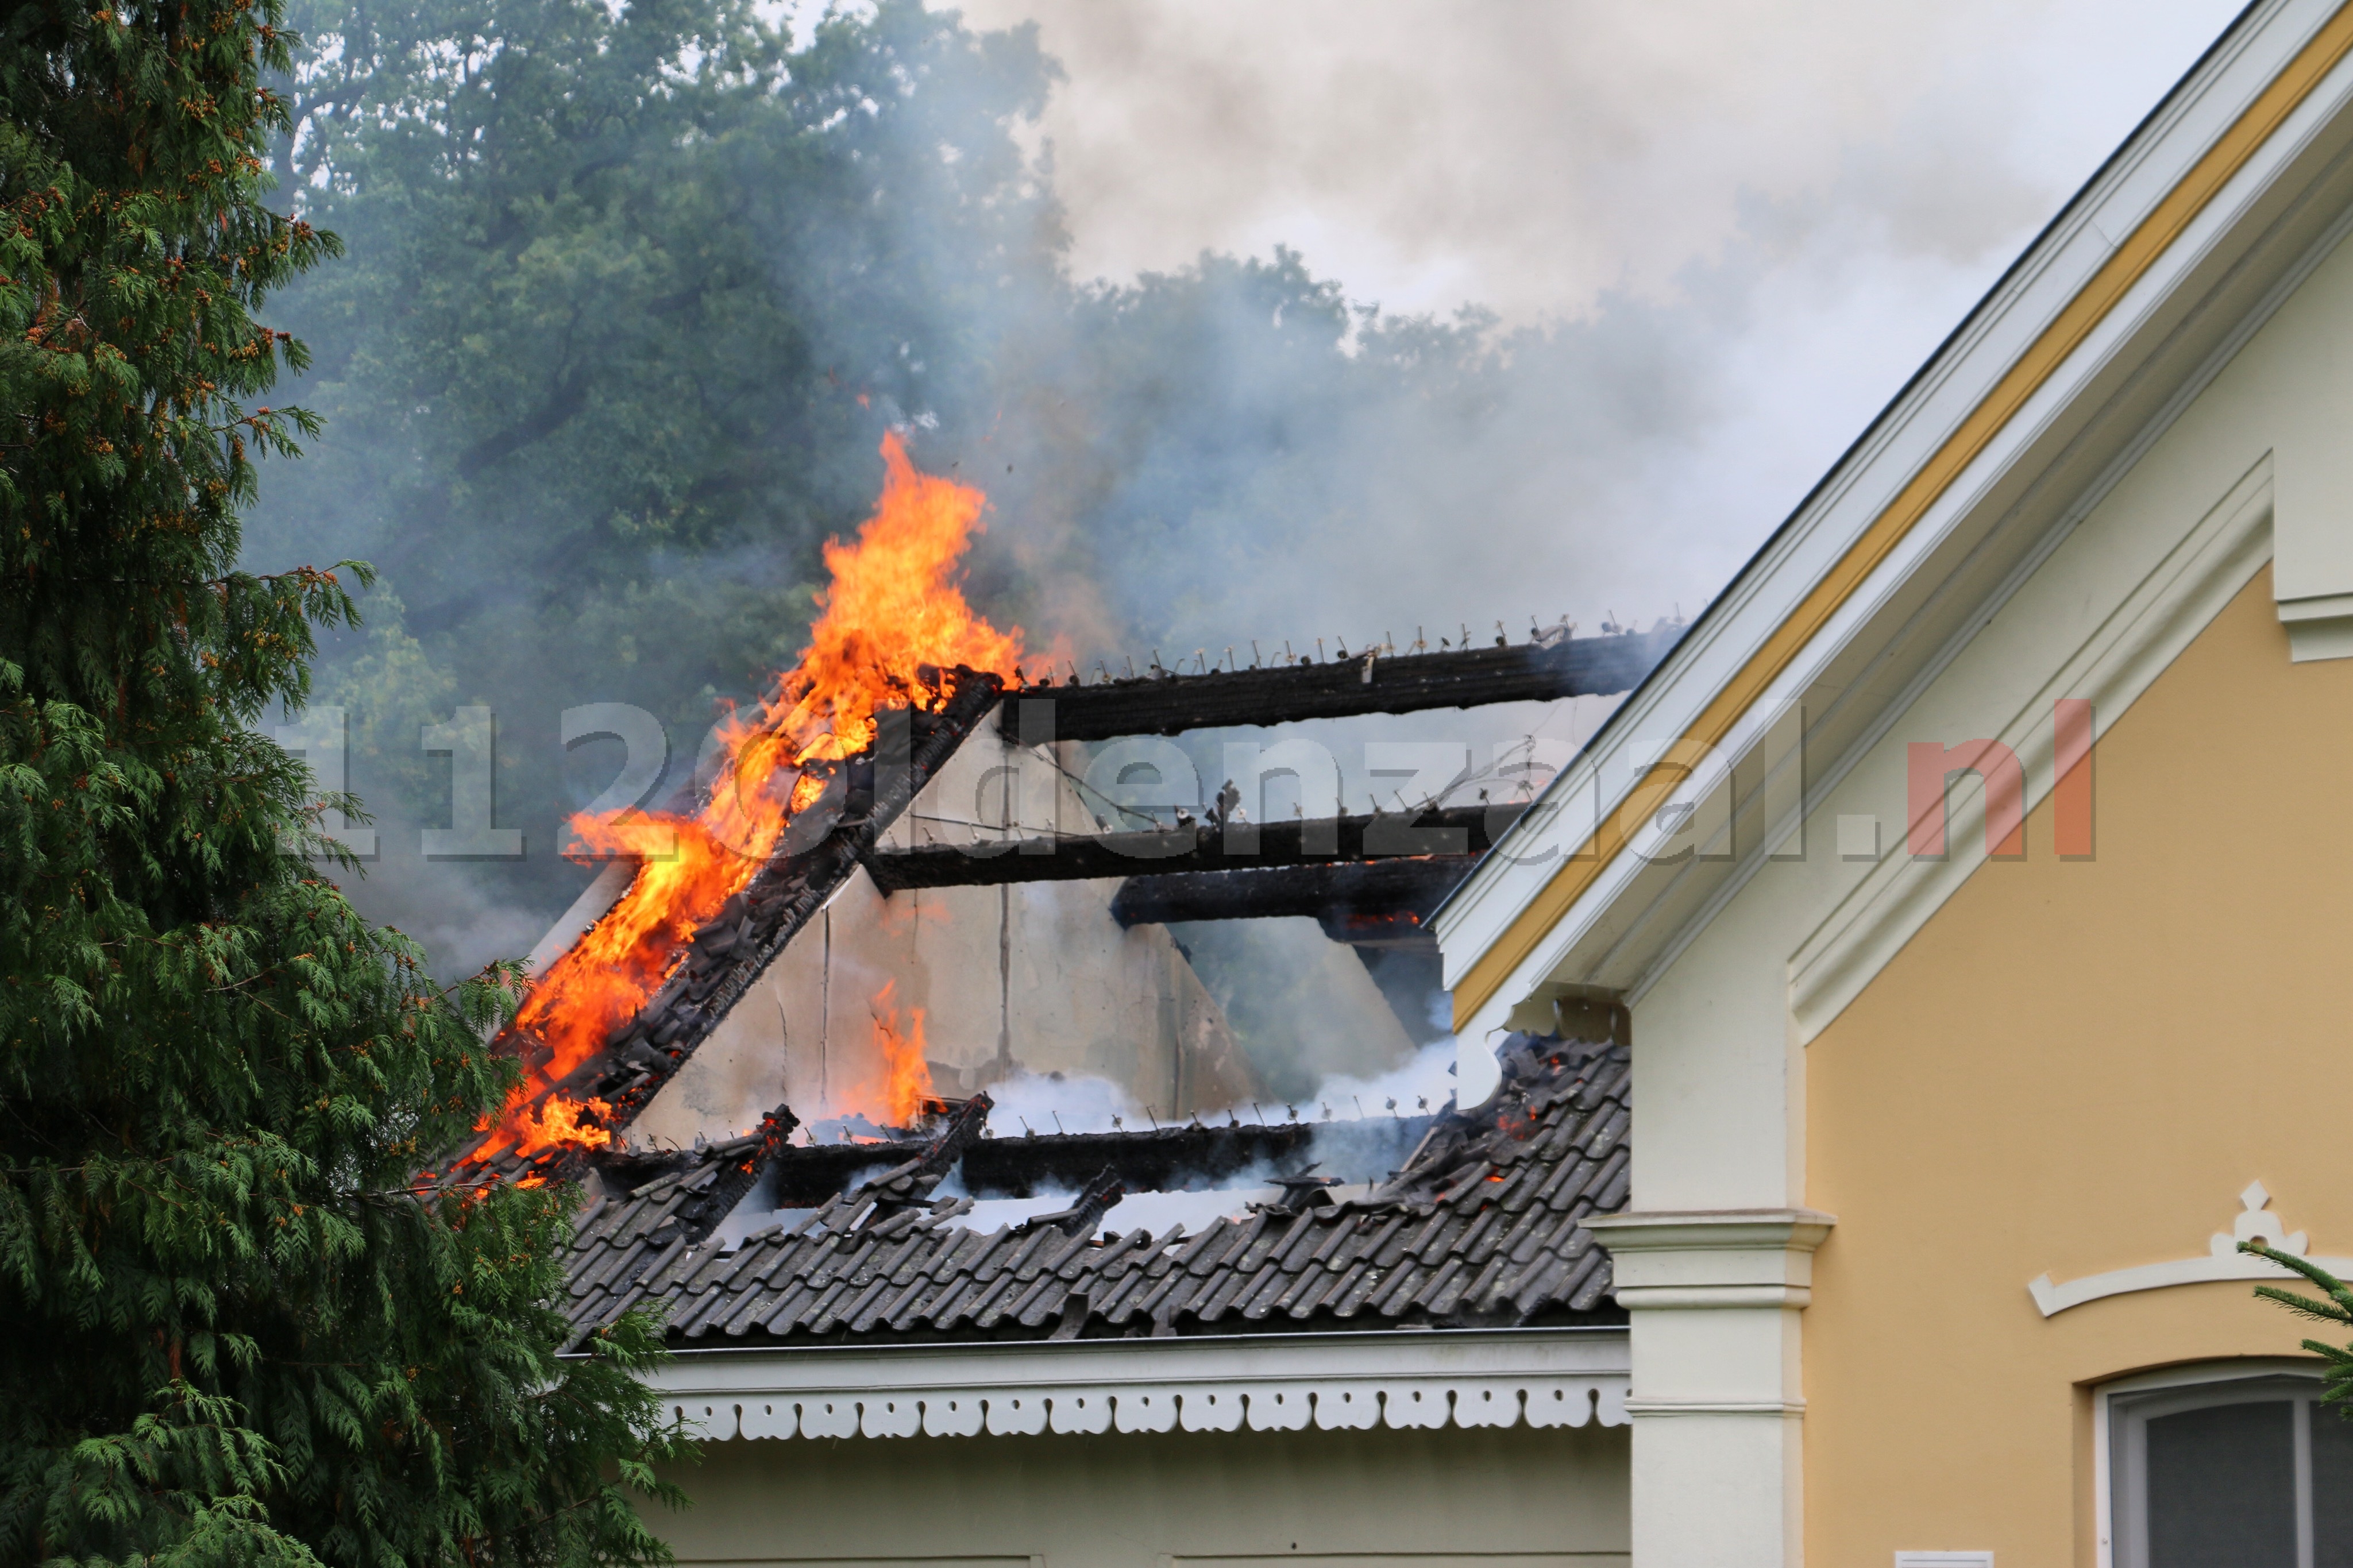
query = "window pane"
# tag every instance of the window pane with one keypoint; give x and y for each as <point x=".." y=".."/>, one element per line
<point x="2221" y="1487"/>
<point x="2332" y="1488"/>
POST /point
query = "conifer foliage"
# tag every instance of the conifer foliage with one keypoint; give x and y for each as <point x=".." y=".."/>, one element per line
<point x="236" y="1325"/>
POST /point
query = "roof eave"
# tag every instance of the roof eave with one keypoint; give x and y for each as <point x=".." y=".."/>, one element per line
<point x="2287" y="50"/>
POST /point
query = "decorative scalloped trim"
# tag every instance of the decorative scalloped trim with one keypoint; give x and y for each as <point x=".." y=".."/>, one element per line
<point x="2223" y="1260"/>
<point x="1351" y="1405"/>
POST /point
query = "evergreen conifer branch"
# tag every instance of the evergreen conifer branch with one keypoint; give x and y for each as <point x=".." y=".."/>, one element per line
<point x="243" y="1330"/>
<point x="2337" y="1381"/>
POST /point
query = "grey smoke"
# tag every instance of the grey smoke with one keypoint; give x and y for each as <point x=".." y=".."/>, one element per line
<point x="1738" y="228"/>
<point x="1712" y="237"/>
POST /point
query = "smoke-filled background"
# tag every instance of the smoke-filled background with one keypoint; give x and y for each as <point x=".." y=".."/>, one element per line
<point x="1356" y="320"/>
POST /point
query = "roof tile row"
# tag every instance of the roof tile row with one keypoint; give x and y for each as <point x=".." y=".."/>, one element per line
<point x="1483" y="1226"/>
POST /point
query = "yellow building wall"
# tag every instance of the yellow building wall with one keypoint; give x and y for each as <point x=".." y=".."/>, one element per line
<point x="2076" y="1067"/>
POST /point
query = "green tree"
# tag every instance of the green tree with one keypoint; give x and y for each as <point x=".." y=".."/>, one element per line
<point x="635" y="290"/>
<point x="241" y="1330"/>
<point x="2337" y="1380"/>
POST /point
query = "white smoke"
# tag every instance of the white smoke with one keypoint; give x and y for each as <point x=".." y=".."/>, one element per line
<point x="1046" y="1103"/>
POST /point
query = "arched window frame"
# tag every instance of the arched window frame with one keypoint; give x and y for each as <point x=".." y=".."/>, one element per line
<point x="2185" y="1379"/>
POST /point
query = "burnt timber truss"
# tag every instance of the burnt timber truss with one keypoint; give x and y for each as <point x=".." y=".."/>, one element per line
<point x="1362" y="876"/>
<point x="1453" y="833"/>
<point x="1364" y="886"/>
<point x="1339" y="870"/>
<point x="1369" y="683"/>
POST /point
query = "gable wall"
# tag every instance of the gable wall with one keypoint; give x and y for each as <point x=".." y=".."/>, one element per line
<point x="1991" y="1070"/>
<point x="2075" y="1068"/>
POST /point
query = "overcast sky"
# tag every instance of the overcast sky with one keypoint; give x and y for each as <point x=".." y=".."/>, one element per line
<point x="1531" y="154"/>
<point x="1821" y="188"/>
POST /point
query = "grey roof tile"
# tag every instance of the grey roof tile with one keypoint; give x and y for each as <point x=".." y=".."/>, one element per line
<point x="1441" y="1244"/>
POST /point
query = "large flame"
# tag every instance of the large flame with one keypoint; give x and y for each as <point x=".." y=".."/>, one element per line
<point x="561" y="1119"/>
<point x="891" y="617"/>
<point x="906" y="1075"/>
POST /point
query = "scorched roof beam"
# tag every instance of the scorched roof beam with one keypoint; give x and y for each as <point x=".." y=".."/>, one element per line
<point x="1408" y="683"/>
<point x="1365" y="892"/>
<point x="1454" y="832"/>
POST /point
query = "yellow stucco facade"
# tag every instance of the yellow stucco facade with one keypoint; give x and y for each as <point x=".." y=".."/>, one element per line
<point x="2074" y="1067"/>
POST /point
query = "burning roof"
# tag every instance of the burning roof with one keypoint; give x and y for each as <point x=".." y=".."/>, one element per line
<point x="898" y="670"/>
<point x="1483" y="1226"/>
<point x="722" y="956"/>
<point x="899" y="673"/>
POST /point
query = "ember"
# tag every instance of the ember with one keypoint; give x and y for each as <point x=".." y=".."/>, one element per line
<point x="891" y="622"/>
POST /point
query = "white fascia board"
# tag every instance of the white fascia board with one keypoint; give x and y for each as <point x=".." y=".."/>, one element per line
<point x="1544" y="1377"/>
<point x="1761" y="599"/>
<point x="2135" y="642"/>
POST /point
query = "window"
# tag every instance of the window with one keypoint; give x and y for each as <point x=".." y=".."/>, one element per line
<point x="2228" y="1470"/>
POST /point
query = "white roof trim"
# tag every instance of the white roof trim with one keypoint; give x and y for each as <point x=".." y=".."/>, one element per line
<point x="1499" y="1377"/>
<point x="1851" y="498"/>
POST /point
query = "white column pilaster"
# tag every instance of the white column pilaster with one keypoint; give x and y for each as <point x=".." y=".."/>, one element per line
<point x="1717" y="1393"/>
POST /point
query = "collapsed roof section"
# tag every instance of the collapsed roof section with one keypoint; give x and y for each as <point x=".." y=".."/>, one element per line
<point x="1364" y="889"/>
<point x="1481" y="1227"/>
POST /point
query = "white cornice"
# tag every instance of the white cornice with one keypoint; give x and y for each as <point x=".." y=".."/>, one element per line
<point x="1713" y="1259"/>
<point x="1981" y="499"/>
<point x="1544" y="1377"/>
<point x="2221" y="1260"/>
<point x="2129" y="649"/>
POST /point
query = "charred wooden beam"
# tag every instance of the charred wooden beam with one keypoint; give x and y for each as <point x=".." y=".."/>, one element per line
<point x="823" y="846"/>
<point x="1168" y="1159"/>
<point x="1470" y="678"/>
<point x="1453" y="831"/>
<point x="1373" y="891"/>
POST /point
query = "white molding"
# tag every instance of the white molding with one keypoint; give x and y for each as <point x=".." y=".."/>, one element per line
<point x="1712" y="1259"/>
<point x="2113" y="667"/>
<point x="1788" y="1408"/>
<point x="1704" y="1298"/>
<point x="2319" y="628"/>
<point x="1541" y="1377"/>
<point x="2222" y="1261"/>
<point x="1711" y="1230"/>
<point x="2043" y="284"/>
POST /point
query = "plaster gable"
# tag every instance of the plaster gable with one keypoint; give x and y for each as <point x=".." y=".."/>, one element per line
<point x="1722" y="1022"/>
<point x="2261" y="455"/>
<point x="2073" y="1068"/>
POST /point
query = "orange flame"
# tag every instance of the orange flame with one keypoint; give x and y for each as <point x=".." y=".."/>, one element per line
<point x="906" y="1075"/>
<point x="892" y="612"/>
<point x="559" y="1122"/>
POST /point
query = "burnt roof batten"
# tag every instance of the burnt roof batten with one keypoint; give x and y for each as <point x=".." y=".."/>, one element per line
<point x="1408" y="683"/>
